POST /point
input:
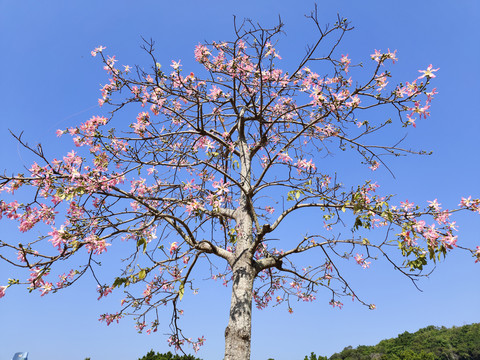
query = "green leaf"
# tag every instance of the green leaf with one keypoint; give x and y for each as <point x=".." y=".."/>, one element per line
<point x="60" y="193"/>
<point x="142" y="241"/>
<point x="358" y="223"/>
<point x="142" y="274"/>
<point x="119" y="281"/>
<point x="181" y="291"/>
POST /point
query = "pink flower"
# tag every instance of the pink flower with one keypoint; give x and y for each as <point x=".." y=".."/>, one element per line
<point x="284" y="157"/>
<point x="201" y="53"/>
<point x="305" y="165"/>
<point x="465" y="202"/>
<point x="411" y="120"/>
<point x="269" y="209"/>
<point x="391" y="56"/>
<point x="2" y="291"/>
<point x="376" y="56"/>
<point x="175" y="65"/>
<point x="381" y="81"/>
<point x="173" y="247"/>
<point x="361" y="261"/>
<point x="103" y="291"/>
<point x="271" y="50"/>
<point x="47" y="287"/>
<point x="430" y="94"/>
<point x="419" y="225"/>
<point x="345" y="62"/>
<point x="215" y="92"/>
<point x="57" y="239"/>
<point x="434" y="205"/>
<point x="442" y="217"/>
<point x="354" y="102"/>
<point x="431" y="235"/>
<point x="193" y="206"/>
<point x="336" y="304"/>
<point x="358" y="258"/>
<point x="429" y="72"/>
<point x="95" y="244"/>
<point x="222" y="188"/>
<point x="110" y="318"/>
<point x="151" y="170"/>
<point x="375" y="165"/>
<point x="449" y="240"/>
<point x="97" y="50"/>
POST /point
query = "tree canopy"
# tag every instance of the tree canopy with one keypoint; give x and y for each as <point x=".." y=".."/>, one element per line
<point x="199" y="174"/>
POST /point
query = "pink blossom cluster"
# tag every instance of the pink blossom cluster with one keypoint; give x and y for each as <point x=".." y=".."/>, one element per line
<point x="174" y="341"/>
<point x="435" y="237"/>
<point x="31" y="215"/>
<point x="95" y="244"/>
<point x="204" y="143"/>
<point x="173" y="247"/>
<point x="470" y="204"/>
<point x="143" y="120"/>
<point x="193" y="206"/>
<point x="222" y="188"/>
<point x="284" y="157"/>
<point x="104" y="291"/>
<point x="380" y="57"/>
<point x="345" y="61"/>
<point x="36" y="280"/>
<point x="361" y="261"/>
<point x="97" y="50"/>
<point x="304" y="165"/>
<point x="110" y="318"/>
<point x="336" y="303"/>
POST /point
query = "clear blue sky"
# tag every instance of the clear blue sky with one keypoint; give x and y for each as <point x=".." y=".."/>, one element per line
<point x="49" y="81"/>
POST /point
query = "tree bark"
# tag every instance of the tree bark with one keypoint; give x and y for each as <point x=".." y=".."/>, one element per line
<point x="239" y="329"/>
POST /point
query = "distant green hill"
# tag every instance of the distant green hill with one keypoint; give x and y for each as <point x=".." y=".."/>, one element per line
<point x="430" y="343"/>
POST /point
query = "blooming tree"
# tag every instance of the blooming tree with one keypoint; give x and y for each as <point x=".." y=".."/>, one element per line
<point x="198" y="174"/>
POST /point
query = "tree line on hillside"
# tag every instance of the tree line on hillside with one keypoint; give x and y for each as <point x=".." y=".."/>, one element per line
<point x="429" y="343"/>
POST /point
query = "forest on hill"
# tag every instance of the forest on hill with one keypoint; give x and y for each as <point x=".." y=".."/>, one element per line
<point x="430" y="343"/>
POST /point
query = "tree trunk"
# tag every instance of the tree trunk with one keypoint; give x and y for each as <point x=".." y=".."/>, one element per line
<point x="239" y="329"/>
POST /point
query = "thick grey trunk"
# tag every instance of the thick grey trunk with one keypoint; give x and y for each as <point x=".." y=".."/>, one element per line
<point x="239" y="329"/>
